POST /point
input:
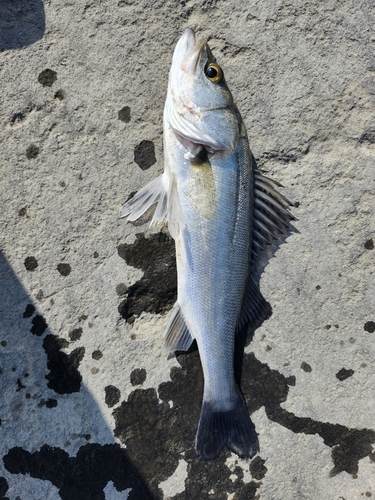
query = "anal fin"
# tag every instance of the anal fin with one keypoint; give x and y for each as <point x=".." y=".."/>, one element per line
<point x="177" y="335"/>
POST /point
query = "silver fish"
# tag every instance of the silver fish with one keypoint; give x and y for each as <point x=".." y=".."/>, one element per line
<point x="221" y="211"/>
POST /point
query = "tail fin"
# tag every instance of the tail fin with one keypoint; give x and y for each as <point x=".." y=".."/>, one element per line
<point x="233" y="429"/>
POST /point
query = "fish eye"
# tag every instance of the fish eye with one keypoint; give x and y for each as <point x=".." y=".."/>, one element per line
<point x="214" y="73"/>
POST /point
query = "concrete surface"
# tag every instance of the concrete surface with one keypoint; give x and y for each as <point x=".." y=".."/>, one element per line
<point x="90" y="409"/>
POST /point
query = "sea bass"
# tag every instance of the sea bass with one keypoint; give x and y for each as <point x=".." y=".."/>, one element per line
<point x="220" y="210"/>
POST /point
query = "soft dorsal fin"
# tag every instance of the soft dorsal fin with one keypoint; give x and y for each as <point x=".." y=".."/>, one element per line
<point x="177" y="335"/>
<point x="271" y="217"/>
<point x="163" y="191"/>
<point x="255" y="309"/>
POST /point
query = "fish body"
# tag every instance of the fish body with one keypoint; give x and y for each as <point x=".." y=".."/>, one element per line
<point x="207" y="193"/>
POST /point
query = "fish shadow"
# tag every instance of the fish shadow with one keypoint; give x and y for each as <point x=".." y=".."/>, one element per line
<point x="44" y="402"/>
<point x="22" y="23"/>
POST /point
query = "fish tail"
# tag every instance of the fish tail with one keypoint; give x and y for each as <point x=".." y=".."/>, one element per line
<point x="233" y="429"/>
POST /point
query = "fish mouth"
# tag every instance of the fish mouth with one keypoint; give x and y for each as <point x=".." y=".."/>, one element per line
<point x="189" y="52"/>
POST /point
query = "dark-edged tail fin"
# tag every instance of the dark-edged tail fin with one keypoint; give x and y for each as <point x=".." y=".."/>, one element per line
<point x="233" y="429"/>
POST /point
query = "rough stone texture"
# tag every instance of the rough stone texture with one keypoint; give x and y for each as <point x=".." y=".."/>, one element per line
<point x="83" y="89"/>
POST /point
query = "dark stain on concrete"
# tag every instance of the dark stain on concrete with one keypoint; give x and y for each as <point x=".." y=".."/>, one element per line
<point x="306" y="367"/>
<point x="29" y="311"/>
<point x="50" y="403"/>
<point x="369" y="244"/>
<point x="22" y="212"/>
<point x="47" y="77"/>
<point x="60" y="95"/>
<point x="97" y="354"/>
<point x="368" y="136"/>
<point x="344" y="374"/>
<point x="257" y="468"/>
<point x="64" y="269"/>
<point x="75" y="334"/>
<point x="138" y="376"/>
<point x="39" y="325"/>
<point x="170" y="431"/>
<point x="82" y="477"/>
<point x="31" y="263"/>
<point x="156" y="291"/>
<point x="369" y="326"/>
<point x="64" y="377"/>
<point x="144" y="154"/>
<point x="3" y="488"/>
<point x="20" y="385"/>
<point x="170" y="435"/>
<point x="32" y="152"/>
<point x="4" y="343"/>
<point x="121" y="289"/>
<point x="112" y="395"/>
<point x="124" y="114"/>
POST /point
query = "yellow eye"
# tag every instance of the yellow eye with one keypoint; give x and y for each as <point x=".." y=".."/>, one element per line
<point x="214" y="73"/>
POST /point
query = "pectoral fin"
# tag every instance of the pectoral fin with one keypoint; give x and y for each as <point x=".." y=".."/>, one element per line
<point x="163" y="191"/>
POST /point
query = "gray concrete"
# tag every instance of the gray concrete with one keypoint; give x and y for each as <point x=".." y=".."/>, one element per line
<point x="302" y="74"/>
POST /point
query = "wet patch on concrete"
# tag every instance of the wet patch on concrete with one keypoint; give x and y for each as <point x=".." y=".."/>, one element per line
<point x="170" y="430"/>
<point x="124" y="114"/>
<point x="97" y="355"/>
<point x="112" y="395"/>
<point x="75" y="334"/>
<point x="32" y="152"/>
<point x="138" y="376"/>
<point x="257" y="468"/>
<point x="306" y="367"/>
<point x="369" y="326"/>
<point x="144" y="154"/>
<point x="64" y="269"/>
<point x="64" y="377"/>
<point x="60" y="95"/>
<point x="368" y="136"/>
<point x="3" y="488"/>
<point x="156" y="291"/>
<point x="39" y="325"/>
<point x="170" y="434"/>
<point x="50" y="403"/>
<point x="31" y="263"/>
<point x="121" y="289"/>
<point x="47" y="77"/>
<point x="82" y="477"/>
<point x="29" y="311"/>
<point x="265" y="387"/>
<point x="344" y="374"/>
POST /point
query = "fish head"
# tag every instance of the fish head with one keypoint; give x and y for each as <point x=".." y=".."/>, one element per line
<point x="199" y="105"/>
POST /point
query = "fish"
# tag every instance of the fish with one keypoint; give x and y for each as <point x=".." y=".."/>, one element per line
<point x="221" y="212"/>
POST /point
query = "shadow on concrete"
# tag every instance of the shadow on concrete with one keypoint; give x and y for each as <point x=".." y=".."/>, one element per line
<point x="43" y="400"/>
<point x="22" y="23"/>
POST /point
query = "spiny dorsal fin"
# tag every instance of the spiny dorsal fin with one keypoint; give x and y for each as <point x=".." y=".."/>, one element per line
<point x="271" y="217"/>
<point x="177" y="335"/>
